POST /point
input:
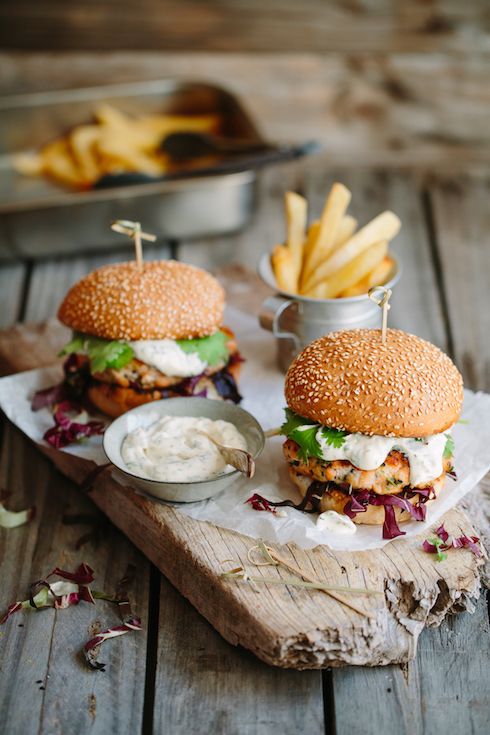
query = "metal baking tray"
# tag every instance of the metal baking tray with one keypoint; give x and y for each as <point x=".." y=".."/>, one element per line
<point x="39" y="218"/>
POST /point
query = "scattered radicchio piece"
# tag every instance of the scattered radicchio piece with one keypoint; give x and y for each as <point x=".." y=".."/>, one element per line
<point x="451" y="472"/>
<point x="60" y="594"/>
<point x="259" y="503"/>
<point x="14" y="519"/>
<point x="69" y="428"/>
<point x="129" y="621"/>
<point x="441" y="542"/>
<point x="92" y="646"/>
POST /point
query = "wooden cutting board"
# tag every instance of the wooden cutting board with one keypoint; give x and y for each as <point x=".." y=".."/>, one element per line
<point x="284" y="626"/>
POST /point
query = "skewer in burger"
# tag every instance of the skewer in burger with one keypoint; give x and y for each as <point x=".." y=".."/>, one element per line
<point x="368" y="429"/>
<point x="143" y="333"/>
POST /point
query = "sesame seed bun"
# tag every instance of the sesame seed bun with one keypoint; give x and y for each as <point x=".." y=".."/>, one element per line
<point x="164" y="300"/>
<point x="374" y="515"/>
<point x="353" y="381"/>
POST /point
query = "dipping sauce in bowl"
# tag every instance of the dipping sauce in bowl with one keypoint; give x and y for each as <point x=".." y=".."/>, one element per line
<point x="147" y="418"/>
<point x="176" y="448"/>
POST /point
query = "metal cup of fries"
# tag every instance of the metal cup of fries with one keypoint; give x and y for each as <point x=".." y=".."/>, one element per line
<point x="323" y="273"/>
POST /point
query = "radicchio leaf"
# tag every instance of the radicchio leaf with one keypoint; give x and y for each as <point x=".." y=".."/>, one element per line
<point x="131" y="624"/>
<point x="259" y="503"/>
<point x="69" y="428"/>
<point x="441" y="542"/>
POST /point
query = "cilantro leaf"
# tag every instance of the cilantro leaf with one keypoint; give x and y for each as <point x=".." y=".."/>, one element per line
<point x="293" y="421"/>
<point x="211" y="350"/>
<point x="449" y="448"/>
<point x="334" y="437"/>
<point x="303" y="432"/>
<point x="307" y="442"/>
<point x="102" y="353"/>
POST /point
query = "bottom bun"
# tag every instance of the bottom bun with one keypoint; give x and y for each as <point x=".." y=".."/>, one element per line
<point x="374" y="515"/>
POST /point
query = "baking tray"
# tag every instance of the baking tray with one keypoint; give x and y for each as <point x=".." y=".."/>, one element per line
<point x="39" y="218"/>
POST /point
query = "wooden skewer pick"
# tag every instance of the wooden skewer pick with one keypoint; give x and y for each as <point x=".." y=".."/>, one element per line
<point x="381" y="296"/>
<point x="133" y="230"/>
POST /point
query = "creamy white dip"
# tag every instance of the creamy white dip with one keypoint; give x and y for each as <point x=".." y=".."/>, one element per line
<point x="173" y="450"/>
<point x="369" y="452"/>
<point x="333" y="522"/>
<point x="168" y="357"/>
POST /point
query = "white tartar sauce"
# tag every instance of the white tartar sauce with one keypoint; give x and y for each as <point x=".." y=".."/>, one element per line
<point x="173" y="450"/>
<point x="369" y="452"/>
<point x="168" y="357"/>
<point x="334" y="522"/>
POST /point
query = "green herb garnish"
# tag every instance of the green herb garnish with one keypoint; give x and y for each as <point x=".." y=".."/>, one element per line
<point x="303" y="432"/>
<point x="211" y="350"/>
<point x="334" y="437"/>
<point x="437" y="543"/>
<point x="102" y="353"/>
<point x="449" y="447"/>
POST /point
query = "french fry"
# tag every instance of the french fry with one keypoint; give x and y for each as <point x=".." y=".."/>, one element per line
<point x="83" y="144"/>
<point x="284" y="269"/>
<point x="352" y="272"/>
<point x="377" y="277"/>
<point x="333" y="212"/>
<point x="346" y="229"/>
<point x="296" y="226"/>
<point x="58" y="163"/>
<point x="383" y="227"/>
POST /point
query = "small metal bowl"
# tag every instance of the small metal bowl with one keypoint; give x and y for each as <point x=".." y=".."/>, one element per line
<point x="148" y="413"/>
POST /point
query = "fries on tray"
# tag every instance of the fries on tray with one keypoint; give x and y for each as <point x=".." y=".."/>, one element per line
<point x="332" y="258"/>
<point x="114" y="143"/>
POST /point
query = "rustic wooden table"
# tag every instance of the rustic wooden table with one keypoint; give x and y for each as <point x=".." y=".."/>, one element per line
<point x="358" y="80"/>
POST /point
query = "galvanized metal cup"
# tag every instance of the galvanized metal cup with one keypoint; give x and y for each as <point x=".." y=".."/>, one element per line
<point x="295" y="320"/>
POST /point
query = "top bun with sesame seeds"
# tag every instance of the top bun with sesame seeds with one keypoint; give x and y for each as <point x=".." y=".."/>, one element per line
<point x="163" y="300"/>
<point x="352" y="381"/>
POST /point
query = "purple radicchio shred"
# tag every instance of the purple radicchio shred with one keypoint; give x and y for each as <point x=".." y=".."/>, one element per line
<point x="389" y="502"/>
<point x="72" y="387"/>
<point x="66" y="430"/>
<point x="131" y="624"/>
<point x="458" y="542"/>
<point x="312" y="497"/>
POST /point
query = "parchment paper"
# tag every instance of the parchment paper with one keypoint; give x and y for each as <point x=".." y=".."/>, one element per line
<point x="261" y="384"/>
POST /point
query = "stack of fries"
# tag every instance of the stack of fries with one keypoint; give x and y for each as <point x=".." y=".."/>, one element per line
<point x="114" y="143"/>
<point x="332" y="258"/>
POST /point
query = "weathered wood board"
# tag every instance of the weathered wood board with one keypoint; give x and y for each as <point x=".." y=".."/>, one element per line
<point x="284" y="626"/>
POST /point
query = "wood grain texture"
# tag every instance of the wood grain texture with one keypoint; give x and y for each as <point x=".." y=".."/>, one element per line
<point x="444" y="688"/>
<point x="287" y="627"/>
<point x="46" y="646"/>
<point x="462" y="224"/>
<point x="414" y="110"/>
<point x="204" y="685"/>
<point x="233" y="25"/>
<point x="12" y="279"/>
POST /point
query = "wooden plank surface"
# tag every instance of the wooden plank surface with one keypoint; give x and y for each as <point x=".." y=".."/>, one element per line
<point x="233" y="25"/>
<point x="204" y="685"/>
<point x="46" y="646"/>
<point x="413" y="110"/>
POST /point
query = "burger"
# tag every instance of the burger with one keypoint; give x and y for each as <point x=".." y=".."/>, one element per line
<point x="146" y="333"/>
<point x="368" y="425"/>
